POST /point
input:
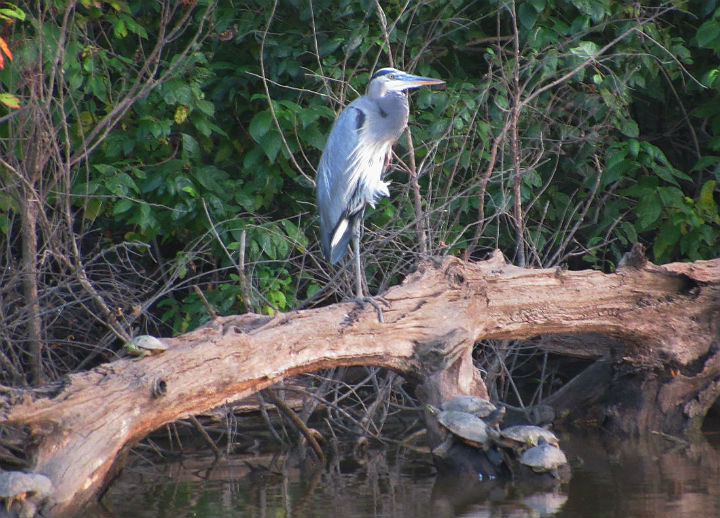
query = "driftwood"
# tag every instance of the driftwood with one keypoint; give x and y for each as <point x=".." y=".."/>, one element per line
<point x="657" y="369"/>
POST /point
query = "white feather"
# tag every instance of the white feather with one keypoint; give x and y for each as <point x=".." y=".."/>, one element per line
<point x="366" y="168"/>
<point x="339" y="231"/>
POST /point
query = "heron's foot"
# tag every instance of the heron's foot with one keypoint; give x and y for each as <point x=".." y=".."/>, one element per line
<point x="361" y="301"/>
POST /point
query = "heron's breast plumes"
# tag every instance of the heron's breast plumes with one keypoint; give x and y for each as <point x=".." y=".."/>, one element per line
<point x="365" y="185"/>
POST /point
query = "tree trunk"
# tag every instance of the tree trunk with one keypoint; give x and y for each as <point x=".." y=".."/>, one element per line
<point x="657" y="371"/>
<point x="34" y="326"/>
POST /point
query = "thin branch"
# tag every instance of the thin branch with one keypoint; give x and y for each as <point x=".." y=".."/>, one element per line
<point x="263" y="75"/>
<point x="514" y="151"/>
<point x="417" y="199"/>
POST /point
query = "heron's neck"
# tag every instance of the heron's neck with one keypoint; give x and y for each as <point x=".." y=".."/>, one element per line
<point x="393" y="109"/>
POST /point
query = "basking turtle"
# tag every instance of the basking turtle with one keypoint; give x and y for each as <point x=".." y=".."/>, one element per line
<point x="144" y="345"/>
<point x="470" y="404"/>
<point x="467" y="427"/>
<point x="17" y="485"/>
<point x="544" y="458"/>
<point x="525" y="435"/>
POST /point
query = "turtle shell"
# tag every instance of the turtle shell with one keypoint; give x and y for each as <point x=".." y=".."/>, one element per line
<point x="467" y="427"/>
<point x="14" y="483"/>
<point x="144" y="345"/>
<point x="543" y="457"/>
<point x="149" y="343"/>
<point x="529" y="435"/>
<point x="470" y="404"/>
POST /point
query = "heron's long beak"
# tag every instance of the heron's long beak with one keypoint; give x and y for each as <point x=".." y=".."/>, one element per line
<point x="406" y="81"/>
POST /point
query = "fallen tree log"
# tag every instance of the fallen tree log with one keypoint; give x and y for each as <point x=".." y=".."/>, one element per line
<point x="664" y="322"/>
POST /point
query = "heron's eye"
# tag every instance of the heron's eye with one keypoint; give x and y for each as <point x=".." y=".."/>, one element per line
<point x="391" y="76"/>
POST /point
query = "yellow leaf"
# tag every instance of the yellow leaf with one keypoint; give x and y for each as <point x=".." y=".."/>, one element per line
<point x="9" y="100"/>
<point x="181" y="113"/>
<point x="4" y="47"/>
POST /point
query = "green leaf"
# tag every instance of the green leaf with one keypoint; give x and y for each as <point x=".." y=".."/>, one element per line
<point x="672" y="197"/>
<point x="706" y="201"/>
<point x="709" y="77"/>
<point x="666" y="174"/>
<point x="266" y="244"/>
<point x="634" y="147"/>
<point x="121" y="206"/>
<point x="585" y="50"/>
<point x="190" y="190"/>
<point x="617" y="170"/>
<point x="145" y="218"/>
<point x="708" y="35"/>
<point x="191" y="148"/>
<point x="206" y="107"/>
<point x="706" y="161"/>
<point x="212" y="179"/>
<point x="312" y="289"/>
<point x="293" y="232"/>
<point x="119" y="29"/>
<point x="281" y="246"/>
<point x="271" y="144"/>
<point x="593" y="8"/>
<point x="259" y="125"/>
<point x="629" y="128"/>
<point x="12" y="11"/>
<point x="246" y="201"/>
<point x="133" y="26"/>
<point x="527" y="15"/>
<point x="630" y="231"/>
<point x="648" y="211"/>
<point x="667" y="238"/>
<point x="121" y="184"/>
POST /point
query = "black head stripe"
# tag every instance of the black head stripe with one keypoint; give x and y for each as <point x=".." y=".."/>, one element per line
<point x="384" y="72"/>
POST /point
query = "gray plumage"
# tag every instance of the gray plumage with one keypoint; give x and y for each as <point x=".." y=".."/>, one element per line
<point x="358" y="149"/>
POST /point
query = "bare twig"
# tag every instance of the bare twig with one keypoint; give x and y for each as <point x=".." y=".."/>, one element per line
<point x="514" y="151"/>
<point x="269" y="98"/>
<point x="417" y="198"/>
<point x="302" y="427"/>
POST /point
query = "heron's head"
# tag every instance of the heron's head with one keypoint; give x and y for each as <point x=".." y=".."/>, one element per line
<point x="393" y="80"/>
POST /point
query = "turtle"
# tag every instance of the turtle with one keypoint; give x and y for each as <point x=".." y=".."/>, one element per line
<point x="470" y="404"/>
<point x="525" y="436"/>
<point x="467" y="427"/>
<point x="17" y="485"/>
<point x="544" y="458"/>
<point x="144" y="345"/>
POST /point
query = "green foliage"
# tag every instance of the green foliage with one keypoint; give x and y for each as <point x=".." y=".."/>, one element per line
<point x="619" y="134"/>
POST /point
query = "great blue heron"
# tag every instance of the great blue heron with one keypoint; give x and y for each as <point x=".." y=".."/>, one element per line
<point x="357" y="152"/>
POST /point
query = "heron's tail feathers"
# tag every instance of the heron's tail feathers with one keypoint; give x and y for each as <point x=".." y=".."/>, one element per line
<point x="339" y="240"/>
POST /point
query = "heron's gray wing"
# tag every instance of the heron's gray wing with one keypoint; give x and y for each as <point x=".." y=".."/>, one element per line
<point x="337" y="182"/>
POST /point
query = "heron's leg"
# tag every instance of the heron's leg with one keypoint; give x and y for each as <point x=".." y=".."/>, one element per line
<point x="358" y="263"/>
<point x="359" y="272"/>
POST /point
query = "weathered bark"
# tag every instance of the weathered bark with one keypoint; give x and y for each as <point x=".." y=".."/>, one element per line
<point x="36" y="154"/>
<point x="28" y="215"/>
<point x="665" y="322"/>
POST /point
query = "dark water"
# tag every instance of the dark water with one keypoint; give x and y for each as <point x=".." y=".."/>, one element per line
<point x="652" y="477"/>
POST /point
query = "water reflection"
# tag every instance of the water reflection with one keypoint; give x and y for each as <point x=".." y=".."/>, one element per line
<point x="651" y="477"/>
